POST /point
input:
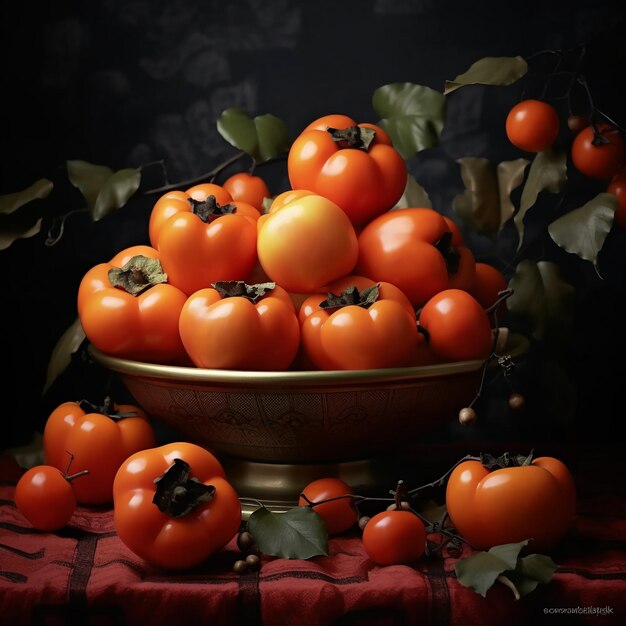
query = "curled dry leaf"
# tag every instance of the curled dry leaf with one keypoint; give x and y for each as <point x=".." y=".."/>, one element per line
<point x="485" y="205"/>
<point x="490" y="71"/>
<point x="414" y="196"/>
<point x="548" y="172"/>
<point x="61" y="356"/>
<point x="16" y="224"/>
<point x="583" y="231"/>
<point x="37" y="191"/>
<point x="543" y="298"/>
<point x="18" y="229"/>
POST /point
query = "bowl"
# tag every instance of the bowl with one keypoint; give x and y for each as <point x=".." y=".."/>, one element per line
<point x="299" y="417"/>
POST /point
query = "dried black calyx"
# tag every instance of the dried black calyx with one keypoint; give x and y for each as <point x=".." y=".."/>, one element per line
<point x="356" y="137"/>
<point x="209" y="209"/>
<point x="139" y="274"/>
<point x="177" y="494"/>
<point x="506" y="460"/>
<point x="451" y="256"/>
<point x="599" y="138"/>
<point x="241" y="289"/>
<point x="106" y="408"/>
<point x="352" y="297"/>
<point x="507" y="364"/>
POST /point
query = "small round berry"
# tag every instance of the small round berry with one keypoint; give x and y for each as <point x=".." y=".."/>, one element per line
<point x="253" y="562"/>
<point x="245" y="541"/>
<point x="516" y="401"/>
<point x="576" y="123"/>
<point x="467" y="416"/>
<point x="240" y="567"/>
<point x="363" y="521"/>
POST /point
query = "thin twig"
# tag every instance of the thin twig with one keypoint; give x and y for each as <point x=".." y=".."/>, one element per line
<point x="60" y="220"/>
<point x="208" y="175"/>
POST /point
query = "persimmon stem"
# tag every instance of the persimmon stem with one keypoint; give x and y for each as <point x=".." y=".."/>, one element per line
<point x="401" y="494"/>
<point x="69" y="464"/>
<point x="73" y="476"/>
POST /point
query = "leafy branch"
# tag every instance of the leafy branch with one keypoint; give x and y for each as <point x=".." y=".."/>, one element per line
<point x="301" y="533"/>
<point x="263" y="139"/>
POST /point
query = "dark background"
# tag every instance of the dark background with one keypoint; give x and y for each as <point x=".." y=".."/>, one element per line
<point x="126" y="83"/>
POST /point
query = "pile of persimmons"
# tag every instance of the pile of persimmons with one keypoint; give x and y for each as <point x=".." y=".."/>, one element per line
<point x="329" y="276"/>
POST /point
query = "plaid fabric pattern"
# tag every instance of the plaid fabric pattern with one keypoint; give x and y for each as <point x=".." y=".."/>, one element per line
<point x="85" y="575"/>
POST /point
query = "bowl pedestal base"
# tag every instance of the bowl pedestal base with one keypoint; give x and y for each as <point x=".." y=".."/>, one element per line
<point x="278" y="485"/>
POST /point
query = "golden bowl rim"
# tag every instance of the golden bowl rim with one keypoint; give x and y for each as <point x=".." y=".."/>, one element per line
<point x="294" y="378"/>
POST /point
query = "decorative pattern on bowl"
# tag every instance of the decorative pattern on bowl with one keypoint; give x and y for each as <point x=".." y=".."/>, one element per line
<point x="302" y="417"/>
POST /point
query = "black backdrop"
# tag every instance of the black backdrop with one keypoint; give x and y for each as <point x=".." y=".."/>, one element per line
<point x="125" y="83"/>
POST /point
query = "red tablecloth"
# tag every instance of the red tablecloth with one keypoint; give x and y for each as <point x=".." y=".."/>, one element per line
<point x="84" y="575"/>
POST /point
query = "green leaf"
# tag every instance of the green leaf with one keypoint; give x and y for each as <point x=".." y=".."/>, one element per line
<point x="104" y="190"/>
<point x="412" y="115"/>
<point x="485" y="205"/>
<point x="531" y="571"/>
<point x="116" y="192"/>
<point x="88" y="179"/>
<point x="510" y="176"/>
<point x="17" y="227"/>
<point x="265" y="137"/>
<point x="540" y="296"/>
<point x="414" y="196"/>
<point x="21" y="224"/>
<point x="37" y="191"/>
<point x="299" y="533"/>
<point x="583" y="231"/>
<point x="548" y="172"/>
<point x="273" y="137"/>
<point x="490" y="71"/>
<point x="508" y="552"/>
<point x="480" y="571"/>
<point x="61" y="356"/>
<point x="539" y="567"/>
<point x="238" y="128"/>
